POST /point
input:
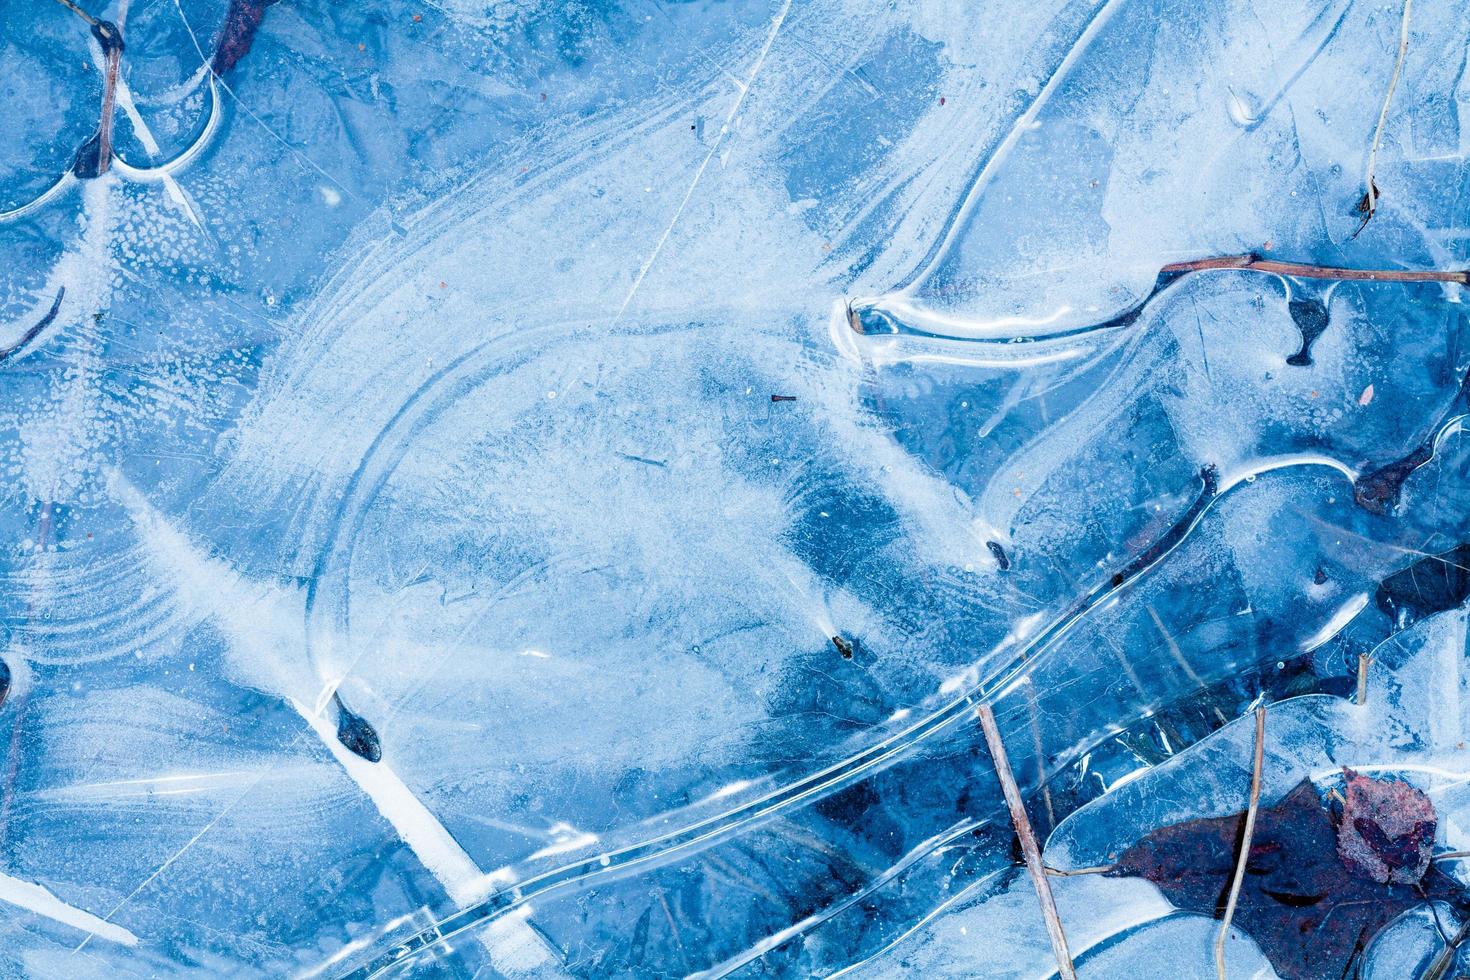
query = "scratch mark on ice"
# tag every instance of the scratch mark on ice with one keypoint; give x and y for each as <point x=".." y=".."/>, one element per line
<point x="105" y="922"/>
<point x="760" y="61"/>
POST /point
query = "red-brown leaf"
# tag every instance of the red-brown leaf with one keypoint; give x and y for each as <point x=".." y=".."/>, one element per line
<point x="1387" y="830"/>
<point x="1299" y="901"/>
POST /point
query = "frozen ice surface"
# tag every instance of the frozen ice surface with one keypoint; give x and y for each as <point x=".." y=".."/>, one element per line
<point x="539" y="488"/>
<point x="1118" y="928"/>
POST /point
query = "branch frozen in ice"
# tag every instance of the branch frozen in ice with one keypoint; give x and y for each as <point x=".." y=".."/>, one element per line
<point x="93" y="158"/>
<point x="1097" y="869"/>
<point x="1251" y="262"/>
<point x="33" y="331"/>
<point x="1369" y="203"/>
<point x="1447" y="956"/>
<point x="1029" y="848"/>
<point x="91" y="21"/>
<point x="865" y="318"/>
<point x="1245" y="843"/>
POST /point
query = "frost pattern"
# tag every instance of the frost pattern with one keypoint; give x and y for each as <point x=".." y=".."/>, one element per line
<point x="539" y="489"/>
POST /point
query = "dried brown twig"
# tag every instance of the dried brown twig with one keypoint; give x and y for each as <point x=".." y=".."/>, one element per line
<point x="110" y="38"/>
<point x="112" y="45"/>
<point x="1451" y="856"/>
<point x="1302" y="270"/>
<point x="1097" y="869"/>
<point x="91" y="21"/>
<point x="1245" y="843"/>
<point x="1249" y="262"/>
<point x="1448" y="955"/>
<point x="1029" y="848"/>
<point x="1368" y="205"/>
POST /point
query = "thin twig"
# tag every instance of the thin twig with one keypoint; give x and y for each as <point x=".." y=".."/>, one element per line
<point x="1451" y="856"/>
<point x="1446" y="957"/>
<point x="91" y="21"/>
<point x="1302" y="270"/>
<point x="1029" y="846"/>
<point x="1369" y="204"/>
<point x="1252" y="263"/>
<point x="109" y="95"/>
<point x="1363" y="661"/>
<point x="109" y="36"/>
<point x="1035" y="711"/>
<point x="1245" y="843"/>
<point x="1097" y="869"/>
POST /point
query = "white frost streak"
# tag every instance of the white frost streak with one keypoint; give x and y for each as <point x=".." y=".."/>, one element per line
<point x="145" y="136"/>
<point x="430" y="842"/>
<point x="254" y="618"/>
<point x="40" y="901"/>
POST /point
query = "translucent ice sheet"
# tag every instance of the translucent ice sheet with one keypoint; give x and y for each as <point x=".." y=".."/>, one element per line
<point x="540" y="488"/>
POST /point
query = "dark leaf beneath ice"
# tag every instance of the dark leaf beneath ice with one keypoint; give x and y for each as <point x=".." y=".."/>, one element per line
<point x="241" y="22"/>
<point x="1432" y="584"/>
<point x="1300" y="901"/>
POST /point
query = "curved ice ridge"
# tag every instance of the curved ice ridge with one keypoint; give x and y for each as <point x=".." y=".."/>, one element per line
<point x="149" y="174"/>
<point x="894" y="315"/>
<point x="185" y="157"/>
<point x="658" y="850"/>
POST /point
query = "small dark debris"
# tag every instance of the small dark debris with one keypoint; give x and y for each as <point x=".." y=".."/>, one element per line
<point x="1367" y="202"/>
<point x="999" y="554"/>
<point x="843" y="645"/>
<point x="1378" y="492"/>
<point x="783" y="398"/>
<point x="1321" y="577"/>
<point x="4" y="681"/>
<point x="360" y="737"/>
<point x="1367" y="206"/>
